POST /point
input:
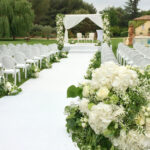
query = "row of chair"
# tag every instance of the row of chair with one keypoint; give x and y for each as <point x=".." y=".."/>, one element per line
<point x="131" y="56"/>
<point x="21" y="56"/>
<point x="142" y="49"/>
<point x="107" y="54"/>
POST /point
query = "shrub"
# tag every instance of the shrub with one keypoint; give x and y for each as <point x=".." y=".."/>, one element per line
<point x="36" y="30"/>
<point x="46" y="31"/>
<point x="124" y="34"/>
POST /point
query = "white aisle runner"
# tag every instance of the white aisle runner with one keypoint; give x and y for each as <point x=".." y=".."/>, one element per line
<point x="34" y="119"/>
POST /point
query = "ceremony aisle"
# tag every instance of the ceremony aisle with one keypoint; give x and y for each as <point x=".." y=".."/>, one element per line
<point x="34" y="119"/>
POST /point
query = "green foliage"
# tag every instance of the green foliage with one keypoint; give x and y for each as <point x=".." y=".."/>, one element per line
<point x="46" y="31"/>
<point x="46" y="64"/>
<point x="124" y="34"/>
<point x="136" y="23"/>
<point x="43" y="31"/>
<point x="33" y="71"/>
<point x="16" y="18"/>
<point x="85" y="138"/>
<point x="36" y="30"/>
<point x="2" y="89"/>
<point x="95" y="63"/>
<point x="74" y="91"/>
<point x="132" y="8"/>
<point x="40" y="8"/>
<point x="54" y="58"/>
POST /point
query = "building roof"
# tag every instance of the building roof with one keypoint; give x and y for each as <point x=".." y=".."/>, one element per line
<point x="146" y="17"/>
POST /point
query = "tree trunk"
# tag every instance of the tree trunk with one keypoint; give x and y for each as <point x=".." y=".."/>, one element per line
<point x="14" y="37"/>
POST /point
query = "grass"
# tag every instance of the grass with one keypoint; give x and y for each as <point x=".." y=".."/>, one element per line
<point x="115" y="42"/>
<point x="21" y="41"/>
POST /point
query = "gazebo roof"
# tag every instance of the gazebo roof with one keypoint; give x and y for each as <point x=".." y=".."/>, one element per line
<point x="146" y="17"/>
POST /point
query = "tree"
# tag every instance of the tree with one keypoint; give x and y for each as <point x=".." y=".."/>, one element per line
<point x="132" y="8"/>
<point x="5" y="12"/>
<point x="16" y="17"/>
<point x="46" y="10"/>
<point x="40" y="8"/>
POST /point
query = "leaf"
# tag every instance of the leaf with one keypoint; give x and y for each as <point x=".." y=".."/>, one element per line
<point x="74" y="91"/>
<point x="90" y="105"/>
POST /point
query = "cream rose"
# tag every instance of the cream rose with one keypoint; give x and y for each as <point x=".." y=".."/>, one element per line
<point x="102" y="93"/>
<point x="86" y="91"/>
<point x="8" y="86"/>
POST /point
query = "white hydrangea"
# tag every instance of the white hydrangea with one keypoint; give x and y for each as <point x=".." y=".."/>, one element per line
<point x="83" y="106"/>
<point x="111" y="75"/>
<point x="102" y="115"/>
<point x="131" y="141"/>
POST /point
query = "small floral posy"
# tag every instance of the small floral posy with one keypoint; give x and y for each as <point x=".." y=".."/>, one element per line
<point x="34" y="71"/>
<point x="7" y="88"/>
<point x="46" y="64"/>
<point x="12" y="89"/>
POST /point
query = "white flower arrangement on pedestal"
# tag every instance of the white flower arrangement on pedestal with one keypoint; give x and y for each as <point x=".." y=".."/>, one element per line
<point x="116" y="105"/>
<point x="106" y="29"/>
<point x="60" y="33"/>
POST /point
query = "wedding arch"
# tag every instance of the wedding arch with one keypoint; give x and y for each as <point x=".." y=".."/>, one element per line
<point x="69" y="21"/>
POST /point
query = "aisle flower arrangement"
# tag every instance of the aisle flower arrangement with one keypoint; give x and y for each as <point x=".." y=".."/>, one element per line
<point x="7" y="88"/>
<point x="56" y="57"/>
<point x="113" y="111"/>
<point x="33" y="71"/>
<point x="46" y="63"/>
<point x="94" y="63"/>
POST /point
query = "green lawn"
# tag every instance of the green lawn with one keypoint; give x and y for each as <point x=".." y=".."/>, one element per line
<point x="32" y="41"/>
<point x="115" y="42"/>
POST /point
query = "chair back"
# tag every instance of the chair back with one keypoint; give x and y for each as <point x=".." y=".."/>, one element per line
<point x="20" y="58"/>
<point x="8" y="62"/>
<point x="79" y="35"/>
<point x="91" y="35"/>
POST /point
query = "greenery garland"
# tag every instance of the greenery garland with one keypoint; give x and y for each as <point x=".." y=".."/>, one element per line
<point x="60" y="29"/>
<point x="106" y="29"/>
<point x="95" y="63"/>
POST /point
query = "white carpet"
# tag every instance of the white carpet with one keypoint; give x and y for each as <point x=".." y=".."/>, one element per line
<point x="34" y="119"/>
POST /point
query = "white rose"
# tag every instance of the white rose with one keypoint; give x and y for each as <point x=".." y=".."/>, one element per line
<point x="83" y="125"/>
<point x="86" y="91"/>
<point x="148" y="109"/>
<point x="102" y="93"/>
<point x="36" y="75"/>
<point x="8" y="86"/>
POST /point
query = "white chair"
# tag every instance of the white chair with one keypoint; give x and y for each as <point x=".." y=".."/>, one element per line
<point x="91" y="37"/>
<point x="9" y="66"/>
<point x="21" y="62"/>
<point x="145" y="62"/>
<point x="80" y="37"/>
<point x="29" y="57"/>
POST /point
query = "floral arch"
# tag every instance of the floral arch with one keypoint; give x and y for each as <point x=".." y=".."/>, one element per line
<point x="69" y="21"/>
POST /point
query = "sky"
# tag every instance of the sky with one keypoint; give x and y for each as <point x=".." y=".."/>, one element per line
<point x="101" y="4"/>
